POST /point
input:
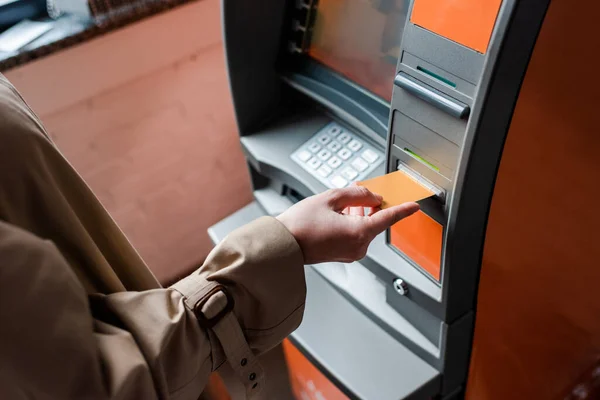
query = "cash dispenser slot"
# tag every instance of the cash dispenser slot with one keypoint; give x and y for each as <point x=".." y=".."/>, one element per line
<point x="417" y="102"/>
<point x="429" y="95"/>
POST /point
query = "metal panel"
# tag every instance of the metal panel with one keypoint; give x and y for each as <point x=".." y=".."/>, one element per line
<point x="357" y="353"/>
<point x="428" y="144"/>
<point x="425" y="322"/>
<point x="437" y="120"/>
<point x="443" y="53"/>
<point x="411" y="65"/>
<point x="439" y="178"/>
<point x="367" y="292"/>
<point x="367" y="120"/>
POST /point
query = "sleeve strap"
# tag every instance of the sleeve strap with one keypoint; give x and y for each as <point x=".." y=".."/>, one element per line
<point x="213" y="306"/>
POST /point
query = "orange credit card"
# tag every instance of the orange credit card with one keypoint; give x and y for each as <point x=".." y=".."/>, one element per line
<point x="396" y="188"/>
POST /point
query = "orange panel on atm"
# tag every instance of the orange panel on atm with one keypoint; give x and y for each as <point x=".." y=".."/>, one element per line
<point x="420" y="238"/>
<point x="537" y="330"/>
<point x="468" y="22"/>
<point x="307" y="381"/>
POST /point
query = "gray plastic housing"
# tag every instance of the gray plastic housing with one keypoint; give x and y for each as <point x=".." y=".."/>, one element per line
<point x="279" y="105"/>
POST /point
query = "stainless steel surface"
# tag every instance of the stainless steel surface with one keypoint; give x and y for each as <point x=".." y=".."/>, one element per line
<point x="401" y="286"/>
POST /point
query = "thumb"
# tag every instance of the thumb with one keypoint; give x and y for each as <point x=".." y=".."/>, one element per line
<point x="382" y="220"/>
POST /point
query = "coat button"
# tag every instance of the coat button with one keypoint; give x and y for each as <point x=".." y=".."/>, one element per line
<point x="252" y="376"/>
<point x="244" y="362"/>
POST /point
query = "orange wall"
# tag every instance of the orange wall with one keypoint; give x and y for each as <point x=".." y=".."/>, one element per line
<point x="144" y="114"/>
<point x="538" y="313"/>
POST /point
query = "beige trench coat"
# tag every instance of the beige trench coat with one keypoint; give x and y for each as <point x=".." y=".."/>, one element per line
<point x="82" y="317"/>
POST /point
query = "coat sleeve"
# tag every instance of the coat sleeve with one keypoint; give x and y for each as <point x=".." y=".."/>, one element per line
<point x="56" y="342"/>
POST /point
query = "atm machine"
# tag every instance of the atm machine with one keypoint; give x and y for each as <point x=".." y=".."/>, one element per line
<point x="329" y="92"/>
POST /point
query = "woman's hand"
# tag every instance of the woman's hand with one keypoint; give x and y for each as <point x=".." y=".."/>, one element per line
<point x="331" y="226"/>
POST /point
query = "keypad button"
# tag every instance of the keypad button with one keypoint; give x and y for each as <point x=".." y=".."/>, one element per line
<point x="324" y="155"/>
<point x="355" y="145"/>
<point x="334" y="162"/>
<point x="324" y="171"/>
<point x="338" y="181"/>
<point x="314" y="147"/>
<point x="324" y="139"/>
<point x="349" y="173"/>
<point x="344" y="154"/>
<point x="334" y="146"/>
<point x="314" y="163"/>
<point x="360" y="164"/>
<point x="334" y="131"/>
<point x="344" y="137"/>
<point x="304" y="156"/>
<point x="370" y="155"/>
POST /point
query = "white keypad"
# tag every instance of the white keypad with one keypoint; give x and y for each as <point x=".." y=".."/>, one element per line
<point x="335" y="156"/>
<point x="314" y="147"/>
<point x="344" y="154"/>
<point x="324" y="171"/>
<point x="324" y="139"/>
<point x="349" y="173"/>
<point x="334" y="146"/>
<point x="324" y="155"/>
<point x="360" y="164"/>
<point x="370" y="156"/>
<point x="314" y="163"/>
<point x="334" y="130"/>
<point x="355" y="145"/>
<point x="344" y="137"/>
<point x="334" y="162"/>
<point x="339" y="182"/>
<point x="304" y="155"/>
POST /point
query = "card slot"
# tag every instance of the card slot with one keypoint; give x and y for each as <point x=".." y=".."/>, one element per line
<point x="419" y="237"/>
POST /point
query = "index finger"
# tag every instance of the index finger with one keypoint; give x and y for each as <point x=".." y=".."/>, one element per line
<point x="382" y="220"/>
